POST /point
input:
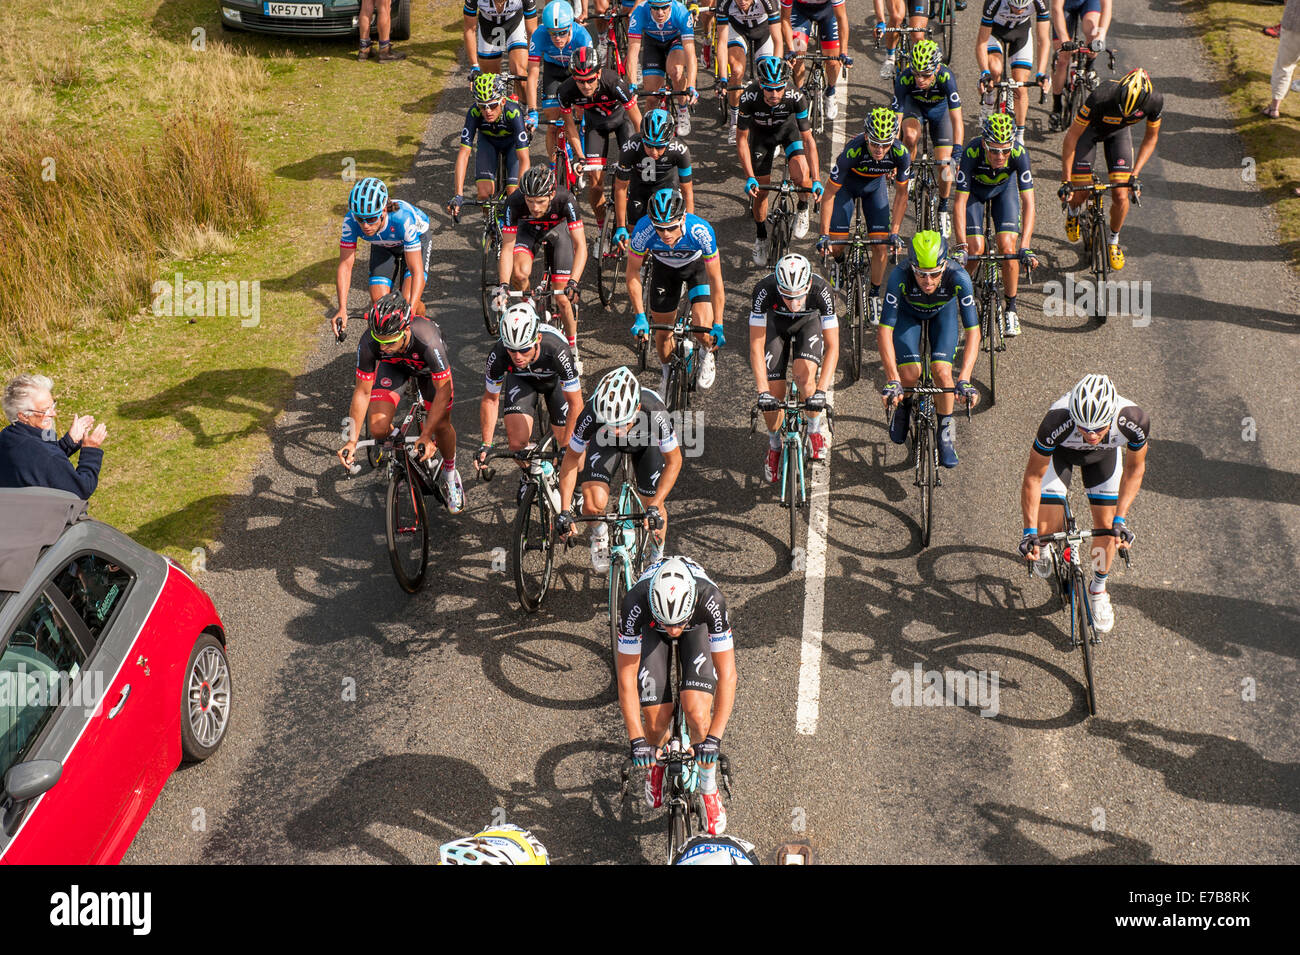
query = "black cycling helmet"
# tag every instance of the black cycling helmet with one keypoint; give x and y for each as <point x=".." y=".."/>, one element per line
<point x="583" y="64"/>
<point x="538" y="181"/>
<point x="667" y="207"/>
<point x="389" y="317"/>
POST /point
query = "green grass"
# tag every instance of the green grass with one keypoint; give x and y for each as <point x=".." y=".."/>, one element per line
<point x="188" y="401"/>
<point x="1232" y="36"/>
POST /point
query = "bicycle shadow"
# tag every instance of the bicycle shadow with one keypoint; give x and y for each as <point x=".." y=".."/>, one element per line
<point x="1009" y="843"/>
<point x="224" y="392"/>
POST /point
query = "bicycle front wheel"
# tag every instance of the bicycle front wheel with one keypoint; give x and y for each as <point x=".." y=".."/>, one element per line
<point x="1082" y="614"/>
<point x="1100" y="268"/>
<point x="793" y="482"/>
<point x="491" y="255"/>
<point x="781" y="229"/>
<point x="608" y="261"/>
<point x="948" y="27"/>
<point x="925" y="474"/>
<point x="857" y="322"/>
<point x="533" y="551"/>
<point x="617" y="591"/>
<point x="407" y="527"/>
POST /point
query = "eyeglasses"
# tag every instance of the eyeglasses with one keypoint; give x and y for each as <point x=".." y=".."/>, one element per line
<point x="670" y="227"/>
<point x="928" y="273"/>
<point x="520" y="351"/>
<point x="389" y="341"/>
<point x="43" y="414"/>
<point x="556" y="34"/>
<point x="993" y="151"/>
<point x="1092" y="430"/>
<point x="370" y="220"/>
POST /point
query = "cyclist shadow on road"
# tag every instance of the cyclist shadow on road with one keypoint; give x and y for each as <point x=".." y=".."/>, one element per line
<point x="1219" y="770"/>
<point x="1186" y="472"/>
<point x="1009" y="843"/>
<point x="212" y="398"/>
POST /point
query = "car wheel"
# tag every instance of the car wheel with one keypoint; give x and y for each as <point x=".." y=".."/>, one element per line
<point x="205" y="699"/>
<point x="401" y="23"/>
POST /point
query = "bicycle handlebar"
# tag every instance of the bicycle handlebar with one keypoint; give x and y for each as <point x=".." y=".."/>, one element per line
<point x="531" y="453"/>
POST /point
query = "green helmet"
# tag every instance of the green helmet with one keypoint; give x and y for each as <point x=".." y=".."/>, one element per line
<point x="486" y="88"/>
<point x="998" y="128"/>
<point x="882" y="125"/>
<point x="926" y="57"/>
<point x="929" y="250"/>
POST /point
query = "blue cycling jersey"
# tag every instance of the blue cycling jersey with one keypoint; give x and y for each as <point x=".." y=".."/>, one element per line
<point x="677" y="26"/>
<point x="903" y="296"/>
<point x="541" y="47"/>
<point x="698" y="241"/>
<point x="401" y="228"/>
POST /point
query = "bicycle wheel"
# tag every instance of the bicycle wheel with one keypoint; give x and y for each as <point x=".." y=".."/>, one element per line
<point x="947" y="28"/>
<point x="676" y="828"/>
<point x="925" y="454"/>
<point x="491" y="255"/>
<point x="1100" y="268"/>
<point x="407" y="528"/>
<point x="617" y="591"/>
<point x="1083" y="615"/>
<point x="814" y="93"/>
<point x="782" y="226"/>
<point x="607" y="263"/>
<point x="857" y="320"/>
<point x="795" y="460"/>
<point x="533" y="549"/>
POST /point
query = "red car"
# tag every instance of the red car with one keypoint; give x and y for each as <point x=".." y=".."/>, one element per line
<point x="112" y="670"/>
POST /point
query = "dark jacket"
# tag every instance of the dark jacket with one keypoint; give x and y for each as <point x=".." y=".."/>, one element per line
<point x="26" y="460"/>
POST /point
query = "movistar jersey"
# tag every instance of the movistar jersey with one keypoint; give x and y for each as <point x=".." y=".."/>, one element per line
<point x="975" y="173"/>
<point x="904" y="296"/>
<point x="508" y="129"/>
<point x="856" y="163"/>
<point x="944" y="88"/>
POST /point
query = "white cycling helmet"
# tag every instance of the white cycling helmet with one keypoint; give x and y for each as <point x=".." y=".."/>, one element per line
<point x="793" y="275"/>
<point x="1019" y="4"/>
<point x="500" y="845"/>
<point x="519" y="326"/>
<point x="716" y="850"/>
<point x="672" y="593"/>
<point x="1092" y="402"/>
<point x="616" y="398"/>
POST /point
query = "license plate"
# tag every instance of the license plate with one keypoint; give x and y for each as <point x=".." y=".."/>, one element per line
<point x="306" y="11"/>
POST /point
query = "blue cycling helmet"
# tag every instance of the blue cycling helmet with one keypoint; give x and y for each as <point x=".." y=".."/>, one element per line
<point x="667" y="207"/>
<point x="558" y="16"/>
<point x="657" y="128"/>
<point x="770" y="72"/>
<point x="369" y="198"/>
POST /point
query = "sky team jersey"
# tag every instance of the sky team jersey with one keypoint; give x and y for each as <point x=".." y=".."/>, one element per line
<point x="1131" y="427"/>
<point x="401" y="228"/>
<point x="698" y="241"/>
<point x="653" y="426"/>
<point x="554" y="361"/>
<point x="507" y="130"/>
<point x="501" y="13"/>
<point x="678" y="26"/>
<point x="767" y="120"/>
<point x="1101" y="110"/>
<point x="767" y="303"/>
<point x="998" y="13"/>
<point x="760" y="13"/>
<point x="943" y="88"/>
<point x="648" y="174"/>
<point x="540" y="47"/>
<point x="634" y="616"/>
<point x="426" y="355"/>
<point x="856" y="163"/>
<point x="563" y="208"/>
<point x="974" y="172"/>
<point x="902" y="294"/>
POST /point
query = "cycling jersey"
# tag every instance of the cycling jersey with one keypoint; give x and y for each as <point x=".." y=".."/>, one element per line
<point x="856" y="164"/>
<point x="635" y="619"/>
<point x="563" y="208"/>
<point x="788" y="332"/>
<point x="1000" y="15"/>
<point x="503" y="14"/>
<point x="542" y="48"/>
<point x="1101" y="113"/>
<point x="768" y="304"/>
<point x="904" y="295"/>
<point x="676" y="28"/>
<point x="648" y="175"/>
<point x="402" y="227"/>
<point x="425" y="355"/>
<point x="767" y="121"/>
<point x="506" y="130"/>
<point x="553" y="363"/>
<point x="1130" y="427"/>
<point x="652" y="430"/>
<point x="753" y="22"/>
<point x="907" y="93"/>
<point x="605" y="106"/>
<point x="974" y="174"/>
<point x="698" y="242"/>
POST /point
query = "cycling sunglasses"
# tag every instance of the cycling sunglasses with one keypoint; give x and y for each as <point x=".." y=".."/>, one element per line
<point x="928" y="273"/>
<point x="388" y="341"/>
<point x="370" y="220"/>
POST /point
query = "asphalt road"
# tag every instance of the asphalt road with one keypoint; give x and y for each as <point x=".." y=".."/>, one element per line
<point x="464" y="707"/>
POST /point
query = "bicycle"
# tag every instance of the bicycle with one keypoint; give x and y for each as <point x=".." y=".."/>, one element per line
<point x="856" y="265"/>
<point x="989" y="303"/>
<point x="532" y="536"/>
<point x="563" y="160"/>
<point x="406" y="520"/>
<point x="490" y="254"/>
<point x="902" y="52"/>
<point x="671" y="104"/>
<point x="923" y="430"/>
<point x="814" y="86"/>
<point x="1072" y="585"/>
<point x="1003" y="101"/>
<point x="925" y="183"/>
<point x="687" y="815"/>
<point x="1080" y="80"/>
<point x="615" y="40"/>
<point x="945" y="12"/>
<point x="795" y="452"/>
<point x="780" y="218"/>
<point x="611" y="262"/>
<point x="683" y="368"/>
<point x="1094" y="232"/>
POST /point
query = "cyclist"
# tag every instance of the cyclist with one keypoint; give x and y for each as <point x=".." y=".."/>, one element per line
<point x="497" y="30"/>
<point x="928" y="288"/>
<point x="775" y="115"/>
<point x="1067" y="15"/>
<point x="1005" y="37"/>
<point x="926" y="91"/>
<point x="605" y="100"/>
<point x="398" y="234"/>
<point x="649" y="162"/>
<point x="397" y="346"/>
<point x="675" y="600"/>
<point x="917" y="15"/>
<point x="1105" y="118"/>
<point x="499" y="845"/>
<point x="538" y="214"/>
<point x="832" y="25"/>
<point x="498" y="123"/>
<point x="531" y="362"/>
<point x="684" y="252"/>
<point x="863" y="171"/>
<point x="994" y="179"/>
<point x="620" y="417"/>
<point x="549" y="53"/>
<point x="1087" y="427"/>
<point x="716" y="850"/>
<point x="781" y="315"/>
<point x="661" y="44"/>
<point x="747" y="29"/>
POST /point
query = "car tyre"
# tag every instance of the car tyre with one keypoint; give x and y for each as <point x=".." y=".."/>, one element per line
<point x="205" y="699"/>
<point x="401" y="22"/>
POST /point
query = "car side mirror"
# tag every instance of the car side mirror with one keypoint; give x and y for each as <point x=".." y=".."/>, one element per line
<point x="29" y="780"/>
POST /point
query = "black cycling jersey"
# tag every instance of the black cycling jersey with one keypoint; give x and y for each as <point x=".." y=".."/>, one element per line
<point x="636" y="620"/>
<point x="648" y="175"/>
<point x="767" y="120"/>
<point x="653" y="428"/>
<point x="563" y="208"/>
<point x="505" y="14"/>
<point x="767" y="303"/>
<point x="1058" y="431"/>
<point x="605" y="107"/>
<point x="754" y="23"/>
<point x="1101" y="112"/>
<point x="426" y="355"/>
<point x="553" y="363"/>
<point x="999" y="14"/>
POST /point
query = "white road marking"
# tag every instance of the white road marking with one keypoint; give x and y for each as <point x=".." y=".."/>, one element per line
<point x="814" y="599"/>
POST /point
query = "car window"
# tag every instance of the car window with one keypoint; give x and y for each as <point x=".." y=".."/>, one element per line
<point x="94" y="585"/>
<point x="41" y="659"/>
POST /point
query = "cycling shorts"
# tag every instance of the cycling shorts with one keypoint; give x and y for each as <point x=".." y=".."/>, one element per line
<point x="945" y="329"/>
<point x="805" y="343"/>
<point x="1101" y="473"/>
<point x="935" y="115"/>
<point x="498" y="41"/>
<point x="522" y="395"/>
<point x="652" y="674"/>
<point x="603" y="464"/>
<point x="803" y="16"/>
<point x="1118" y="147"/>
<point x="1003" y="205"/>
<point x="666" y="285"/>
<point x="385" y="260"/>
<point x="595" y="141"/>
<point x="391" y="378"/>
<point x="560" y="242"/>
<point x="654" y="57"/>
<point x="1019" y="41"/>
<point x="491" y="153"/>
<point x="875" y="205"/>
<point x="762" y="149"/>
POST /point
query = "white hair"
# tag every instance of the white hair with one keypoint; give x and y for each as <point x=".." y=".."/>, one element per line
<point x="21" y="391"/>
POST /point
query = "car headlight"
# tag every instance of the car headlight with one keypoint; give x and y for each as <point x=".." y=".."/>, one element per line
<point x="231" y="14"/>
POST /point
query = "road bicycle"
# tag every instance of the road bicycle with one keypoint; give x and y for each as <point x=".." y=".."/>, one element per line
<point x="489" y="253"/>
<point x="406" y="519"/>
<point x="814" y="86"/>
<point x="683" y="363"/>
<point x="780" y="217"/>
<point x="1094" y="230"/>
<point x="998" y="97"/>
<point x="672" y="102"/>
<point x="687" y="815"/>
<point x="1080" y="79"/>
<point x="945" y="12"/>
<point x="923" y="431"/>
<point x="925" y="183"/>
<point x="565" y="163"/>
<point x="902" y="52"/>
<point x="852" y="277"/>
<point x="532" y="536"/>
<point x="989" y="301"/>
<point x="611" y="258"/>
<point x="615" y="39"/>
<point x="1066" y="548"/>
<point x="793" y="471"/>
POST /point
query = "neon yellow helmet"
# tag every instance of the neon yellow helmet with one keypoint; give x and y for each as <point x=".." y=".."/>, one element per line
<point x="998" y="128"/>
<point x="926" y="57"/>
<point x="882" y="126"/>
<point x="500" y="845"/>
<point x="487" y="88"/>
<point x="929" y="250"/>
